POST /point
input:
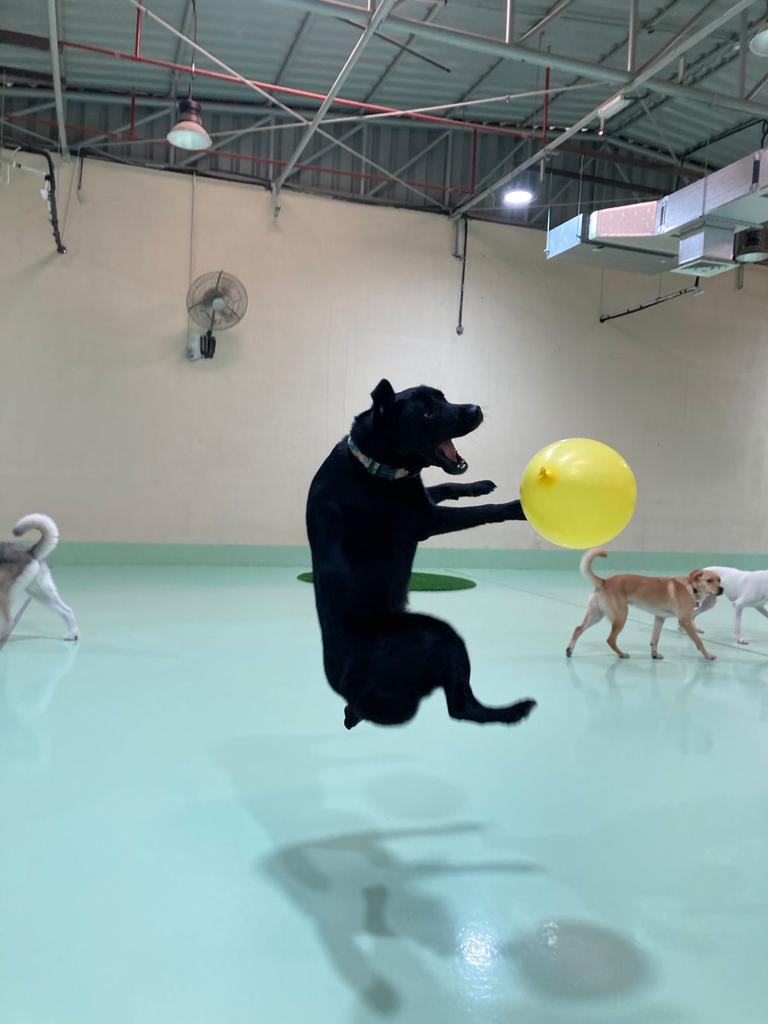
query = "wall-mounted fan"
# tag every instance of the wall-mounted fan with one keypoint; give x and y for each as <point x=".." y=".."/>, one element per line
<point x="214" y="301"/>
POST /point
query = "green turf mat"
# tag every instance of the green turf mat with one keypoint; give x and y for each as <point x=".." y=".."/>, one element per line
<point x="423" y="581"/>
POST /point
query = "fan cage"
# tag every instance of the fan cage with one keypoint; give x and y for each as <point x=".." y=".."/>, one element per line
<point x="217" y="285"/>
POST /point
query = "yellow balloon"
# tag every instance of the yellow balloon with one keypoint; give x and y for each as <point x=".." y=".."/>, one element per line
<point x="578" y="493"/>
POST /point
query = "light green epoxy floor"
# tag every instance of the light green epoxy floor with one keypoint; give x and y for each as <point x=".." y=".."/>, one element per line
<point x="190" y="835"/>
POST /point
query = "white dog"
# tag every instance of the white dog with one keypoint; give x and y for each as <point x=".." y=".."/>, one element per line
<point x="23" y="569"/>
<point x="743" y="590"/>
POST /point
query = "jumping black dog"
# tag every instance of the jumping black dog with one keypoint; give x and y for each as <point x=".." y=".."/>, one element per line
<point x="367" y="510"/>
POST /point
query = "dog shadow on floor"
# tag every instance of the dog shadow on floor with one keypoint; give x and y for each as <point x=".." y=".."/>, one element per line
<point x="361" y="892"/>
<point x="369" y="895"/>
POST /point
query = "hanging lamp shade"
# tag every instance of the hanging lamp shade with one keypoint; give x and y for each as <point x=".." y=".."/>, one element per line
<point x="758" y="44"/>
<point x="188" y="132"/>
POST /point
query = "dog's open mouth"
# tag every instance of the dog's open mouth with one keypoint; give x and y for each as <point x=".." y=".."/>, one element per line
<point x="448" y="459"/>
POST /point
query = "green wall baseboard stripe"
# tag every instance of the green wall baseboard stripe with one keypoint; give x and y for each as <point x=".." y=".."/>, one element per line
<point x="80" y="553"/>
<point x="83" y="553"/>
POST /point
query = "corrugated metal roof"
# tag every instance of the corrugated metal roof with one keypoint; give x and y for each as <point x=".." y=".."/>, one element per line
<point x="256" y="36"/>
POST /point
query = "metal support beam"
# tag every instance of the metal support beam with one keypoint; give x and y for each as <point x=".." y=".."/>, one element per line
<point x="273" y="100"/>
<point x="701" y="69"/>
<point x="757" y="87"/>
<point x="293" y="48"/>
<point x="596" y="179"/>
<point x="25" y="131"/>
<point x="357" y="51"/>
<point x="431" y="14"/>
<point x="412" y="160"/>
<point x="632" y="36"/>
<point x="53" y="42"/>
<point x="616" y="49"/>
<point x="682" y="41"/>
<point x="36" y="109"/>
<point x="649" y="156"/>
<point x="550" y="15"/>
<point x="400" y="47"/>
<point x="525" y="55"/>
<point x="174" y="81"/>
<point x="509" y="22"/>
<point x="126" y="127"/>
<point x="660" y="129"/>
<point x="743" y="52"/>
<point x="224" y="140"/>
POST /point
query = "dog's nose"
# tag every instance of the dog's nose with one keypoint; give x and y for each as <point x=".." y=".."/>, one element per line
<point x="477" y="413"/>
<point x="720" y="591"/>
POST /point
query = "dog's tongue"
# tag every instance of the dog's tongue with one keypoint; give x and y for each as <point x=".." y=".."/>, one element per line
<point x="448" y="448"/>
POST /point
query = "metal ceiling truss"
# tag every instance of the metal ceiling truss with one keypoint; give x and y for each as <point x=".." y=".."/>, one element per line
<point x="523" y="54"/>
<point x="429" y="161"/>
<point x="382" y="10"/>
<point x="680" y="42"/>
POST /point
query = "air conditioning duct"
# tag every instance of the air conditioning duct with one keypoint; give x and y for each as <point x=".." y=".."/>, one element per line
<point x="706" y="251"/>
<point x="697" y="230"/>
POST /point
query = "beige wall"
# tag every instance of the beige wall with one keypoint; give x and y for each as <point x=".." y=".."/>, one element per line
<point x="107" y="427"/>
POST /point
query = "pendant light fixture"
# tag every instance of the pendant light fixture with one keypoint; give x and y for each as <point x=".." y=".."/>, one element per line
<point x="758" y="43"/>
<point x="188" y="132"/>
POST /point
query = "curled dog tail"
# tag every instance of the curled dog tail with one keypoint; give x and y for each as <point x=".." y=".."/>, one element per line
<point x="585" y="565"/>
<point x="49" y="534"/>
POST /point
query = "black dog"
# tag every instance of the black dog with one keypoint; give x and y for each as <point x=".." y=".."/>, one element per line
<point x="366" y="512"/>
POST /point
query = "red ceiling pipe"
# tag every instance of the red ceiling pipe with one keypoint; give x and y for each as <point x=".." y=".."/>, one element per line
<point x="365" y="175"/>
<point x="70" y="127"/>
<point x="373" y="108"/>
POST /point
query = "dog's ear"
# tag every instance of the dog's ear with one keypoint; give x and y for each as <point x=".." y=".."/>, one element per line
<point x="693" y="576"/>
<point x="383" y="396"/>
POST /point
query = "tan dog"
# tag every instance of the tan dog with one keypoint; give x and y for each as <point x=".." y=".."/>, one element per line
<point x="662" y="596"/>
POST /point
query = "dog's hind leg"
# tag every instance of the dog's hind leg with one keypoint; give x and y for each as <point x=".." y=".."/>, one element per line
<point x="412" y="656"/>
<point x="658" y="625"/>
<point x="461" y="701"/>
<point x="617" y="625"/>
<point x="593" y="616"/>
<point x="43" y="589"/>
<point x="351" y="718"/>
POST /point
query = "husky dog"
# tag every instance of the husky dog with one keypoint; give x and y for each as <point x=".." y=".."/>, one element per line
<point x="23" y="569"/>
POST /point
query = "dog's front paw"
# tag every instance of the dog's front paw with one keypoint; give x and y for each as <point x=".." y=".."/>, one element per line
<point x="710" y="657"/>
<point x="744" y="643"/>
<point x="512" y="510"/>
<point x="481" y="487"/>
<point x="72" y="635"/>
